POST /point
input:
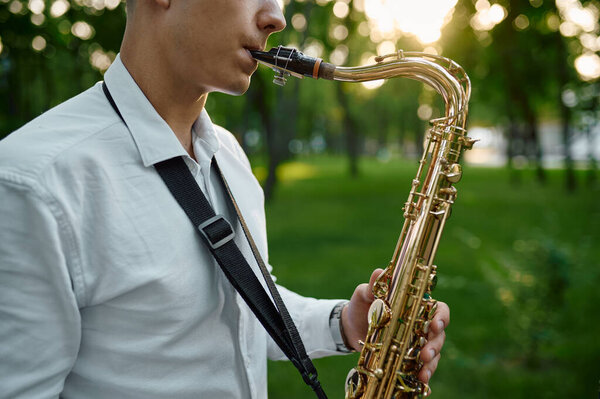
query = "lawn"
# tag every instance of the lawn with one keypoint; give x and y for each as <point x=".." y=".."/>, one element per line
<point x="518" y="265"/>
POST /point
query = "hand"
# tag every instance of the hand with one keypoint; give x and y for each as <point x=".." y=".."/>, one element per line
<point x="430" y="354"/>
<point x="355" y="325"/>
<point x="355" y="321"/>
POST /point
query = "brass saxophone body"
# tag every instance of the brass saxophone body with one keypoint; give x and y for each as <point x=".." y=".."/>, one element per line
<point x="400" y="315"/>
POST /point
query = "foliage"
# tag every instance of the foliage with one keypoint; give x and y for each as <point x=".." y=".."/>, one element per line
<point x="46" y="57"/>
<point x="518" y="268"/>
<point x="34" y="80"/>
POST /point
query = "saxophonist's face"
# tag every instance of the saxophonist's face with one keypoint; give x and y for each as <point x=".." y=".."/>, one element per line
<point x="207" y="41"/>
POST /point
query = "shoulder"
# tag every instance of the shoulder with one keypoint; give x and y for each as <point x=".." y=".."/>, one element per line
<point x="231" y="144"/>
<point x="58" y="135"/>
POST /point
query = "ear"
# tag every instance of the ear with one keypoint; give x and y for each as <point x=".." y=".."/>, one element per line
<point x="163" y="3"/>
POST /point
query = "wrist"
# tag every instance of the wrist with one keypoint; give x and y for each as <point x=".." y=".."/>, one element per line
<point x="336" y="328"/>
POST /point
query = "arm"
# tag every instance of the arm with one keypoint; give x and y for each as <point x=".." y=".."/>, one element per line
<point x="39" y="317"/>
<point x="311" y="316"/>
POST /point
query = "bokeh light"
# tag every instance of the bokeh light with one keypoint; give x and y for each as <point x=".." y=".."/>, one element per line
<point x="15" y="7"/>
<point x="521" y="22"/>
<point x="299" y="22"/>
<point x="101" y="60"/>
<point x="341" y="9"/>
<point x="582" y="22"/>
<point x="339" y="55"/>
<point x="36" y="6"/>
<point x="424" y="19"/>
<point x="424" y="112"/>
<point x="82" y="30"/>
<point x="59" y="8"/>
<point x="487" y="15"/>
<point x="313" y="48"/>
<point x="373" y="84"/>
<point x="38" y="43"/>
<point x="588" y="66"/>
<point x="386" y="47"/>
<point x="99" y="5"/>
<point x="339" y="32"/>
<point x="37" y="19"/>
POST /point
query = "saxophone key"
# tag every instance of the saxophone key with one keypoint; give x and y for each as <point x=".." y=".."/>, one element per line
<point x="354" y="386"/>
<point x="453" y="173"/>
<point x="438" y="213"/>
<point x="378" y="373"/>
<point x="432" y="311"/>
<point x="432" y="282"/>
<point x="451" y="191"/>
<point x="379" y="314"/>
<point x="422" y="327"/>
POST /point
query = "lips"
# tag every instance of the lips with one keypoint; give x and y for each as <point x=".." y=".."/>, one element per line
<point x="248" y="48"/>
<point x="249" y="63"/>
<point x="251" y="49"/>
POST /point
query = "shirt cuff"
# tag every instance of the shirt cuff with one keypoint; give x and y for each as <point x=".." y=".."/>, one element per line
<point x="321" y="342"/>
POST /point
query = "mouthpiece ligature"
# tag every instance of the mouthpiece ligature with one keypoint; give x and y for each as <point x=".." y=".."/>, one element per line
<point x="286" y="61"/>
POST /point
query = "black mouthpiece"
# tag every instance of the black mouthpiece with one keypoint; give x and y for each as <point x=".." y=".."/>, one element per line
<point x="286" y="60"/>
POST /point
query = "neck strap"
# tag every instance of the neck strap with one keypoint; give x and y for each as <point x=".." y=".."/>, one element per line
<point x="218" y="235"/>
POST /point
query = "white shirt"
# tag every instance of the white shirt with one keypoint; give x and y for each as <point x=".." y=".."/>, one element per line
<point x="106" y="290"/>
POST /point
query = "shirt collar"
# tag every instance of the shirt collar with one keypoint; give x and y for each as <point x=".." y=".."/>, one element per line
<point x="204" y="134"/>
<point x="153" y="137"/>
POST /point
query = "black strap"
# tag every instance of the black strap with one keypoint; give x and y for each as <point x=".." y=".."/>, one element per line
<point x="218" y="235"/>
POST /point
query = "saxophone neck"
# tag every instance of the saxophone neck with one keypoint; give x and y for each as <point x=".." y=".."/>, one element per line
<point x="442" y="74"/>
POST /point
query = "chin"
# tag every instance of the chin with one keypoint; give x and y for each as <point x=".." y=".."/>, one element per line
<point x="236" y="88"/>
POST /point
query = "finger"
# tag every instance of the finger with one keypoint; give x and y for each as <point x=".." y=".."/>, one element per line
<point x="376" y="273"/>
<point x="369" y="297"/>
<point x="433" y="347"/>
<point x="363" y="293"/>
<point x="428" y="369"/>
<point x="441" y="318"/>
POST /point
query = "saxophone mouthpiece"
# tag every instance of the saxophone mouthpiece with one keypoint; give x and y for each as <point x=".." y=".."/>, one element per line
<point x="286" y="61"/>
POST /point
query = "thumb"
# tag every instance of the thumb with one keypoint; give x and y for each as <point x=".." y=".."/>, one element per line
<point x="376" y="273"/>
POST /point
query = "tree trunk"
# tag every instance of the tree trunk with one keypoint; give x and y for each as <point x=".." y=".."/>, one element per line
<point x="349" y="132"/>
<point x="280" y="130"/>
<point x="591" y="178"/>
<point x="269" y="130"/>
<point x="283" y="125"/>
<point x="565" y="116"/>
<point x="593" y="164"/>
<point x="512" y="135"/>
<point x="535" y="146"/>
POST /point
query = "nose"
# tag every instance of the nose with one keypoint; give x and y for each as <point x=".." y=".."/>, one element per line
<point x="270" y="19"/>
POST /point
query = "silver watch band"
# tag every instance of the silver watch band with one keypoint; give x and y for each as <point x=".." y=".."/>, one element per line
<point x="336" y="329"/>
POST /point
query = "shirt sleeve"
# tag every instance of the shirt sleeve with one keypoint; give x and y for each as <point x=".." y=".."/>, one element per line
<point x="311" y="316"/>
<point x="39" y="317"/>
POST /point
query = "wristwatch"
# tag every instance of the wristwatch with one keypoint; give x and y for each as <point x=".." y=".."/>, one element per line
<point x="336" y="328"/>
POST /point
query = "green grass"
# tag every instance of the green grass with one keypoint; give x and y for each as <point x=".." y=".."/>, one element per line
<point x="518" y="266"/>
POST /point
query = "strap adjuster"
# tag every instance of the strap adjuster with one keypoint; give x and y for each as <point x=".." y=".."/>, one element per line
<point x="217" y="231"/>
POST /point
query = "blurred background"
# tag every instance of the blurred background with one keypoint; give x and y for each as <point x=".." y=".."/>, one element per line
<point x="518" y="263"/>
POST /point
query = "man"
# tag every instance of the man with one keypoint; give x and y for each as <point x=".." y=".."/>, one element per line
<point x="105" y="289"/>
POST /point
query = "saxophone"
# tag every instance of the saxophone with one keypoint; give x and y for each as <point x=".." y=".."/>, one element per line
<point x="400" y="315"/>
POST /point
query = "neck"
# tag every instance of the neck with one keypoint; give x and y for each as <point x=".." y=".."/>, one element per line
<point x="175" y="101"/>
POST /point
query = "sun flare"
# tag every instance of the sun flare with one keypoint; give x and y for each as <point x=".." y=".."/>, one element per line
<point x="424" y="19"/>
